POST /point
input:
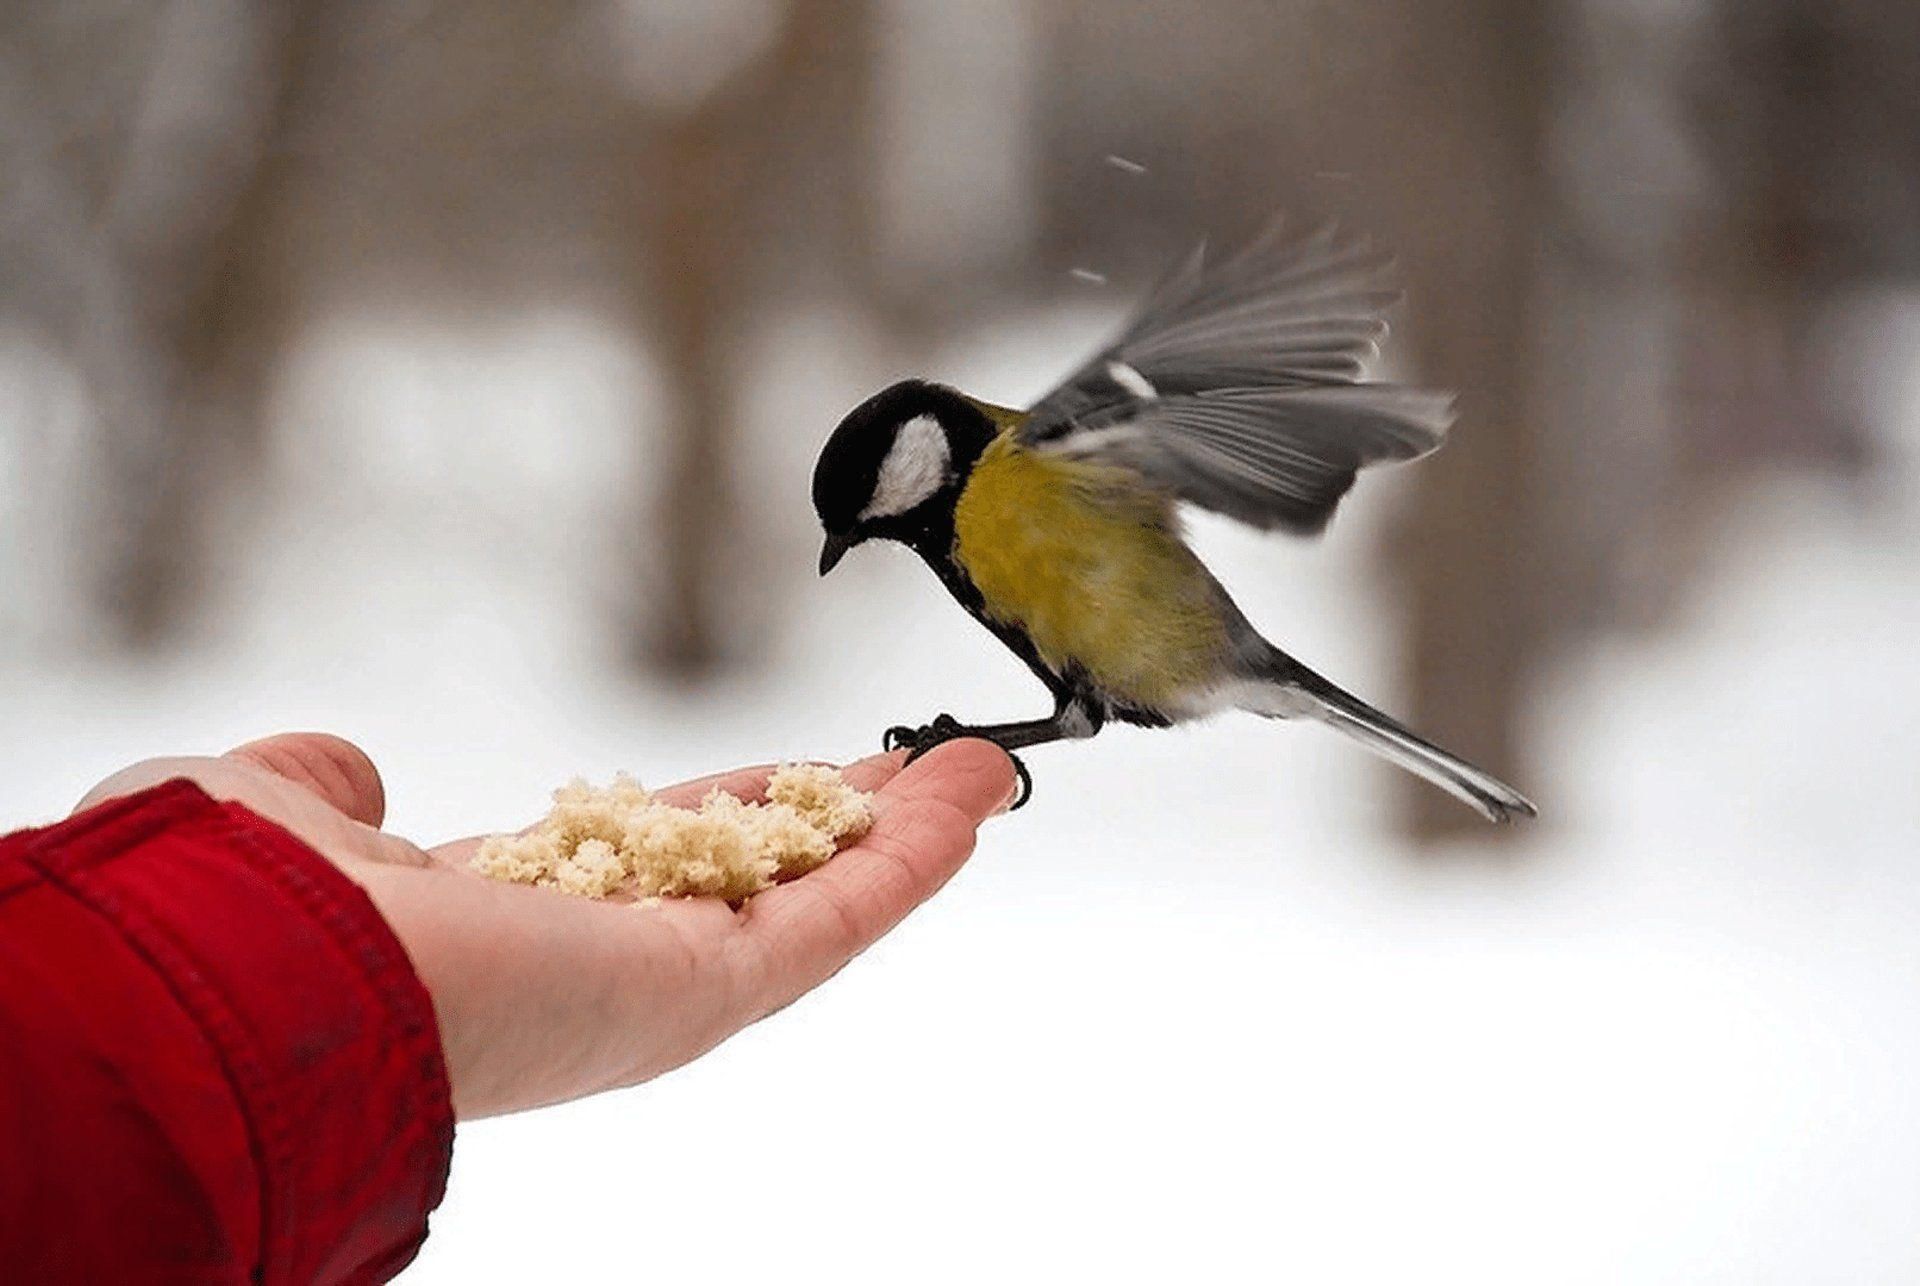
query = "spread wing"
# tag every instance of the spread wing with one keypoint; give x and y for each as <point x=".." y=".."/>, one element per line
<point x="1236" y="387"/>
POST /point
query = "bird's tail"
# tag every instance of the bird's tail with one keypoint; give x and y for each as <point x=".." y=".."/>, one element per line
<point x="1298" y="691"/>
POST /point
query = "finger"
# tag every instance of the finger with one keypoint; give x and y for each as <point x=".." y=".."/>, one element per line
<point x="457" y="854"/>
<point x="868" y="774"/>
<point x="150" y="772"/>
<point x="308" y="806"/>
<point x="923" y="832"/>
<point x="875" y="771"/>
<point x="975" y="776"/>
<point x="336" y="770"/>
<point x="747" y="783"/>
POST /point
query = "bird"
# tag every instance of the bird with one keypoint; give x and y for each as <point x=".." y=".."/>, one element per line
<point x="1236" y="387"/>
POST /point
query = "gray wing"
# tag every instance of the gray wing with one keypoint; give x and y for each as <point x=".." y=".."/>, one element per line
<point x="1236" y="387"/>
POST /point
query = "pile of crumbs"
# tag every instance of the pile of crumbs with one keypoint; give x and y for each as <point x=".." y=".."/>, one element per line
<point x="619" y="840"/>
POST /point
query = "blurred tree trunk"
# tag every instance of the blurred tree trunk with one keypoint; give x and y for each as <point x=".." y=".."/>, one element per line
<point x="217" y="327"/>
<point x="144" y="136"/>
<point x="692" y="255"/>
<point x="698" y="262"/>
<point x="1469" y="80"/>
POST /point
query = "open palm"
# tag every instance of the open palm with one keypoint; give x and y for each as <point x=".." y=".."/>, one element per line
<point x="543" y="997"/>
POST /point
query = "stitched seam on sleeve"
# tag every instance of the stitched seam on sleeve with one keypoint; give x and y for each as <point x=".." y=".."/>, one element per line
<point x="370" y="957"/>
<point x="106" y="831"/>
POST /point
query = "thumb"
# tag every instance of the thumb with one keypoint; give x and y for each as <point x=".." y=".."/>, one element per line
<point x="335" y="769"/>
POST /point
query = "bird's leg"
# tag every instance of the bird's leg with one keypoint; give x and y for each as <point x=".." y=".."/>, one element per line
<point x="1071" y="721"/>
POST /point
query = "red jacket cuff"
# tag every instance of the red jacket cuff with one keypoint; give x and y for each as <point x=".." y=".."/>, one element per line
<point x="288" y="1057"/>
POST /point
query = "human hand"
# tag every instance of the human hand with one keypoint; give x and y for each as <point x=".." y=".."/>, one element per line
<point x="543" y="997"/>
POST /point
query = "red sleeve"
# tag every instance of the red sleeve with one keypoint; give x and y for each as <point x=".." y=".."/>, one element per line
<point x="216" y="1062"/>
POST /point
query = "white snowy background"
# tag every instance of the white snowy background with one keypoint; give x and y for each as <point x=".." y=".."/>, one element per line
<point x="1192" y="1016"/>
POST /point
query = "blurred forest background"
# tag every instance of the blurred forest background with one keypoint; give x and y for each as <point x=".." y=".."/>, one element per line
<point x="1631" y="232"/>
<point x="449" y="376"/>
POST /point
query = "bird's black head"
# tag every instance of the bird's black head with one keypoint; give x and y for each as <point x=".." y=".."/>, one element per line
<point x="894" y="466"/>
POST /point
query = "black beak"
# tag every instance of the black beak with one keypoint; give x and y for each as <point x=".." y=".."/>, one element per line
<point x="833" y="551"/>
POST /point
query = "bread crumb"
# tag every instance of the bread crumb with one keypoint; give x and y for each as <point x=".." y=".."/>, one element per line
<point x="595" y="870"/>
<point x="599" y="842"/>
<point x="797" y="844"/>
<point x="520" y="859"/>
<point x="822" y="797"/>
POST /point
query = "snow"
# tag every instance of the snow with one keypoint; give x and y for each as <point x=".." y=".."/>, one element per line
<point x="1193" y="1015"/>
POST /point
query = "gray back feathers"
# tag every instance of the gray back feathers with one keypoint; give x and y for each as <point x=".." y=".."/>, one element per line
<point x="1236" y="386"/>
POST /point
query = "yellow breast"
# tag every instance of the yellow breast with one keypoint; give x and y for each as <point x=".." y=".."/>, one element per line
<point x="1091" y="567"/>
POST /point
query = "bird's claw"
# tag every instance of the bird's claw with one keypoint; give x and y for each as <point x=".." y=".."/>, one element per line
<point x="924" y="738"/>
<point x="1026" y="783"/>
<point x="945" y="728"/>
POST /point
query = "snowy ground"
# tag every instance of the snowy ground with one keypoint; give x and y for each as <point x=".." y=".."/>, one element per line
<point x="1192" y="1015"/>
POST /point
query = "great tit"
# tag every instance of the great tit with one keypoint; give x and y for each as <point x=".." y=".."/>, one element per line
<point x="1236" y="387"/>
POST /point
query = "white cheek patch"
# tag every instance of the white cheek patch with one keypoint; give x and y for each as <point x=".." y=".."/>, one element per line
<point x="915" y="467"/>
